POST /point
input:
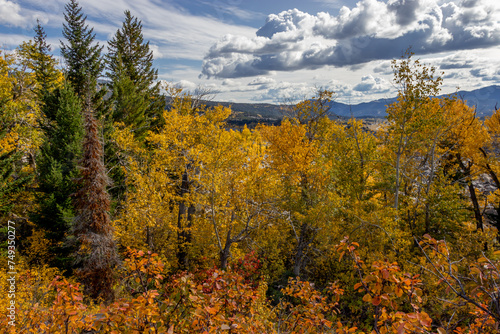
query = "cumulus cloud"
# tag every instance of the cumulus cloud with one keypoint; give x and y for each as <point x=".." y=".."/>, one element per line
<point x="11" y="13"/>
<point x="384" y="67"/>
<point x="457" y="61"/>
<point x="262" y="81"/>
<point x="156" y="50"/>
<point x="287" y="92"/>
<point x="486" y="74"/>
<point x="371" y="84"/>
<point x="372" y="30"/>
<point x="186" y="85"/>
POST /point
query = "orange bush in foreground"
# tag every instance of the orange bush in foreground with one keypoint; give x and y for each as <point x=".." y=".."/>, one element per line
<point x="215" y="301"/>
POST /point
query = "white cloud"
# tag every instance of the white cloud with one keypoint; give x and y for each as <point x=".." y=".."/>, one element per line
<point x="373" y="29"/>
<point x="13" y="14"/>
<point x="176" y="33"/>
<point x="9" y="13"/>
<point x="186" y="85"/>
<point x="383" y="67"/>
<point x="373" y="84"/>
<point x="457" y="60"/>
<point x="287" y="92"/>
<point x="262" y="81"/>
<point x="156" y="51"/>
<point x="295" y="52"/>
<point x="9" y="40"/>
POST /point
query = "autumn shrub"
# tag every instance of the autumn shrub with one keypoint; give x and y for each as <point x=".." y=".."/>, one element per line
<point x="42" y="301"/>
<point x="152" y="300"/>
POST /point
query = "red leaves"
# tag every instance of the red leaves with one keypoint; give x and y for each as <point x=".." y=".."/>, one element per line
<point x="249" y="267"/>
<point x="214" y="301"/>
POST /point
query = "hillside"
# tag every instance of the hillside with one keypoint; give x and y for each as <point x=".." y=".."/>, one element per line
<point x="484" y="99"/>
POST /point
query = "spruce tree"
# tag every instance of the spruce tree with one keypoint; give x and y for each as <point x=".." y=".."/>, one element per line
<point x="83" y="58"/>
<point x="136" y="98"/>
<point x="135" y="95"/>
<point x="37" y="54"/>
<point x="58" y="169"/>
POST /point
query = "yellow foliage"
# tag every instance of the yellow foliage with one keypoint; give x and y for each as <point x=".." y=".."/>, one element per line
<point x="20" y="106"/>
<point x="31" y="291"/>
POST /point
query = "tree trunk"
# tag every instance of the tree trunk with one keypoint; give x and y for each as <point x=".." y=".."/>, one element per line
<point x="305" y="238"/>
<point x="184" y="223"/>
<point x="149" y="239"/>
<point x="490" y="170"/>
<point x="226" y="252"/>
<point x="495" y="179"/>
<point x="472" y="193"/>
<point x="427" y="219"/>
<point x="475" y="204"/>
<point x="396" y="191"/>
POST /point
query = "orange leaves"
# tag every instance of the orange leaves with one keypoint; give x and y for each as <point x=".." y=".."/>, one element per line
<point x="376" y="300"/>
<point x="367" y="298"/>
<point x="143" y="270"/>
<point x="307" y="311"/>
<point x="387" y="288"/>
<point x="346" y="246"/>
<point x="400" y="322"/>
<point x="386" y="284"/>
<point x="214" y="301"/>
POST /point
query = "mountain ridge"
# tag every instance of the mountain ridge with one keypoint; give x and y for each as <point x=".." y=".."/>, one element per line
<point x="484" y="99"/>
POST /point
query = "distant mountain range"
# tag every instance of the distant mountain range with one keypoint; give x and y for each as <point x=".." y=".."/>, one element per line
<point x="484" y="100"/>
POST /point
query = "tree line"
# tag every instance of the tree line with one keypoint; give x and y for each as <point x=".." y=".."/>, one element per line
<point x="310" y="226"/>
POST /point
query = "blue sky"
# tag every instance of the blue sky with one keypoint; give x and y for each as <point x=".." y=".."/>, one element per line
<point x="278" y="51"/>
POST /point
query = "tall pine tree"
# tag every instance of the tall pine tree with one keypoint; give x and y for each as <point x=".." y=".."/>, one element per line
<point x="58" y="169"/>
<point x="135" y="95"/>
<point x="83" y="57"/>
<point x="37" y="54"/>
<point x="136" y="99"/>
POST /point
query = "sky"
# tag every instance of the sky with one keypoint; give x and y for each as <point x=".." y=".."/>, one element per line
<point x="278" y="51"/>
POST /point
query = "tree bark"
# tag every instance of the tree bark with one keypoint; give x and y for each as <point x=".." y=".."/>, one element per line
<point x="475" y="204"/>
<point x="226" y="252"/>
<point x="184" y="223"/>
<point x="305" y="239"/>
<point x="472" y="193"/>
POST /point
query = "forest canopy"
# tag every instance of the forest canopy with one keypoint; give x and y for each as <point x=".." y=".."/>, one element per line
<point x="124" y="214"/>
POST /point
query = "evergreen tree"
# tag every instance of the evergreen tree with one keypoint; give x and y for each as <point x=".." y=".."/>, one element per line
<point x="57" y="166"/>
<point x="83" y="58"/>
<point x="135" y="94"/>
<point x="37" y="55"/>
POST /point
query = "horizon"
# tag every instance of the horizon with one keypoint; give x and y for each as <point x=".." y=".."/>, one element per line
<point x="270" y="52"/>
<point x="457" y="91"/>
